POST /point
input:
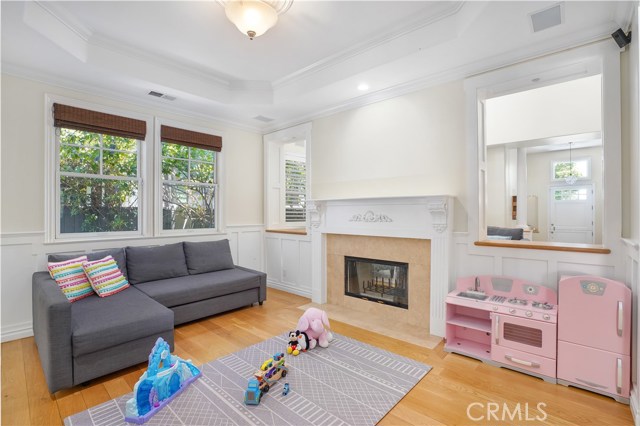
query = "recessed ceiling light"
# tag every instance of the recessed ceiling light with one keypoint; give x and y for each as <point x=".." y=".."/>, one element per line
<point x="363" y="86"/>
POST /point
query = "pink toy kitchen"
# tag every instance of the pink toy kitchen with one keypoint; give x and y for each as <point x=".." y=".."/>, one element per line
<point x="580" y="337"/>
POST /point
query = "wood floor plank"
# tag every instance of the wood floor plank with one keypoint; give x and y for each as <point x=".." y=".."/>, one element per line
<point x="15" y="398"/>
<point x="43" y="409"/>
<point x="442" y="397"/>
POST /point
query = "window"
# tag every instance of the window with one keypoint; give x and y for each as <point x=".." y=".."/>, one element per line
<point x="579" y="168"/>
<point x="189" y="179"/>
<point x="295" y="191"/>
<point x="98" y="183"/>
<point x="570" y="194"/>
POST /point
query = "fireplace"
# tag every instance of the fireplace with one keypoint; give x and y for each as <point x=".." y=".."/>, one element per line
<point x="382" y="281"/>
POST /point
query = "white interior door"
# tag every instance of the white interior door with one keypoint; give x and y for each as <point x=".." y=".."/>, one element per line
<point x="571" y="214"/>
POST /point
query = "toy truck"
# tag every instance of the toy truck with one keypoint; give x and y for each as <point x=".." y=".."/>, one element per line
<point x="270" y="372"/>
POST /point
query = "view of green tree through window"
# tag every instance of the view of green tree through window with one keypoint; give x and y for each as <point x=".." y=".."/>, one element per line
<point x="188" y="187"/>
<point x="99" y="182"/>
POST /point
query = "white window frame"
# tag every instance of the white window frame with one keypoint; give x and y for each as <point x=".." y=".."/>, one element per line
<point x="220" y="224"/>
<point x="574" y="160"/>
<point x="52" y="174"/>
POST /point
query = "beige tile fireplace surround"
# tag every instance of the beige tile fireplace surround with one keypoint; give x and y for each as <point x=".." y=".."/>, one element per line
<point x="412" y="251"/>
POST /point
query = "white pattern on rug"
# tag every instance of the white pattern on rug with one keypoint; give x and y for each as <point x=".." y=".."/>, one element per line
<point x="348" y="383"/>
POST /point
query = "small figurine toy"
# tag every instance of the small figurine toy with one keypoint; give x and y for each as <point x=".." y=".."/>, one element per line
<point x="285" y="389"/>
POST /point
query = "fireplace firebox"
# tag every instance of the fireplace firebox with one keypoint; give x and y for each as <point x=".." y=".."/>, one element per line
<point x="380" y="281"/>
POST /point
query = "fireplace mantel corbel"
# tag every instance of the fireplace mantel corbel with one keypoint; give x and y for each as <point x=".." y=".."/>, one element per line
<point x="438" y="212"/>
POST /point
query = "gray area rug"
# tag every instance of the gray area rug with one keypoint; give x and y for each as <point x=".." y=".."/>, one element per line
<point x="348" y="383"/>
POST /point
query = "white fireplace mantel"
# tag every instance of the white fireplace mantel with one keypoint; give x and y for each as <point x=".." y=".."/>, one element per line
<point x="423" y="217"/>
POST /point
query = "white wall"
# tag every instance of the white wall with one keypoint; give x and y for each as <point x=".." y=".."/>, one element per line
<point x="409" y="145"/>
<point x="568" y="108"/>
<point x="23" y="156"/>
<point x="23" y="186"/>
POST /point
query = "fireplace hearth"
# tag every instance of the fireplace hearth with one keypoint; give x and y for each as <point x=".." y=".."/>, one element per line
<point x="379" y="281"/>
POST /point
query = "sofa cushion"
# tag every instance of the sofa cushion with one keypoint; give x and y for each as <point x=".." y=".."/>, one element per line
<point x="100" y="323"/>
<point x="71" y="279"/>
<point x="117" y="254"/>
<point x="514" y="233"/>
<point x="208" y="256"/>
<point x="155" y="263"/>
<point x="193" y="288"/>
<point x="105" y="277"/>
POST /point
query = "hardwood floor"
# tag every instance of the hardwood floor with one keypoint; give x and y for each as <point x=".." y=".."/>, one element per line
<point x="441" y="398"/>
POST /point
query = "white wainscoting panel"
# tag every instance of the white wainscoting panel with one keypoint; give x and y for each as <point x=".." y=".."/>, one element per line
<point x="288" y="259"/>
<point x="533" y="270"/>
<point x="22" y="254"/>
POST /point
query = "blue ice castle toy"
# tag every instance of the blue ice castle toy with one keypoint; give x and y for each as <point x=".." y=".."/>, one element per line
<point x="166" y="377"/>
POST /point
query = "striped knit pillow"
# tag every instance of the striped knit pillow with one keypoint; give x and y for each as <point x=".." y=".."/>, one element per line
<point x="105" y="276"/>
<point x="71" y="278"/>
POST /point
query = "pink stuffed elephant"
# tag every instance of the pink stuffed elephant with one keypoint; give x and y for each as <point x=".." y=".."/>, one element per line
<point x="313" y="322"/>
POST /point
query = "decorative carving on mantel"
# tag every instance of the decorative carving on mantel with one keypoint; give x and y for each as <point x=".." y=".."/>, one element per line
<point x="438" y="212"/>
<point x="314" y="212"/>
<point x="370" y="216"/>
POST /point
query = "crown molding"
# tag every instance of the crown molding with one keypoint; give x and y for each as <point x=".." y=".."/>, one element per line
<point x="90" y="90"/>
<point x="468" y="70"/>
<point x="415" y="24"/>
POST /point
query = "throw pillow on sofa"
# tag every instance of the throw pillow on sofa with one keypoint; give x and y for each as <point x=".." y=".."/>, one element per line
<point x="155" y="263"/>
<point x="71" y="278"/>
<point x="208" y="256"/>
<point x="117" y="254"/>
<point x="105" y="276"/>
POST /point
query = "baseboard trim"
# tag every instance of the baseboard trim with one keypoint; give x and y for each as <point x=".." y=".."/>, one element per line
<point x="633" y="404"/>
<point x="16" y="331"/>
<point x="289" y="289"/>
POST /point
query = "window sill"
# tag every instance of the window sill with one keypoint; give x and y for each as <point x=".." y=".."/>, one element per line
<point x="293" y="231"/>
<point x="545" y="245"/>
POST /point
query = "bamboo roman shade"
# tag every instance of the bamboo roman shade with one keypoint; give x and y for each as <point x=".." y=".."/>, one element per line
<point x="92" y="121"/>
<point x="191" y="138"/>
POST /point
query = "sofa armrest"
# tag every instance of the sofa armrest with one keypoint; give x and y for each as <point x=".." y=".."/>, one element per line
<point x="52" y="331"/>
<point x="263" y="282"/>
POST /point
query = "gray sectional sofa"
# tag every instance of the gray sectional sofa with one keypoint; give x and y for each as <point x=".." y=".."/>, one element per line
<point x="170" y="285"/>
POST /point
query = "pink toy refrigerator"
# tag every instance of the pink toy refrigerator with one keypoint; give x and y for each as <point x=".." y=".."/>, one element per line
<point x="594" y="335"/>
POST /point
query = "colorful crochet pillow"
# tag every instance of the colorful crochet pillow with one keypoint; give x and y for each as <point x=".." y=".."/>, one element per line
<point x="71" y="278"/>
<point x="105" y="276"/>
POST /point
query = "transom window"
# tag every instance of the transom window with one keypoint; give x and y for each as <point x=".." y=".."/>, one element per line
<point x="188" y="187"/>
<point x="579" y="168"/>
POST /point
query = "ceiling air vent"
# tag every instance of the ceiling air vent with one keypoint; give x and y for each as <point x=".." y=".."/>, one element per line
<point x="547" y="18"/>
<point x="161" y="95"/>
<point x="263" y="118"/>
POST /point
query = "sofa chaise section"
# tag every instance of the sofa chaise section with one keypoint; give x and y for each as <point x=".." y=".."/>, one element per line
<point x="94" y="336"/>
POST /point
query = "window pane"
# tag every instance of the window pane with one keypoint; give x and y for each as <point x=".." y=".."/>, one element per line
<point x="173" y="169"/>
<point x="174" y="150"/>
<point x="98" y="205"/>
<point x="188" y="206"/>
<point x="202" y="172"/>
<point x="115" y="163"/>
<point x="79" y="137"/>
<point x="121" y="144"/>
<point x="295" y="191"/>
<point x="79" y="159"/>
<point x="202" y="154"/>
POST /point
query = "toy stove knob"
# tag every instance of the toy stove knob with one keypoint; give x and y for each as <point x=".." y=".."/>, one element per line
<point x="546" y="317"/>
<point x="528" y="314"/>
<point x="512" y="311"/>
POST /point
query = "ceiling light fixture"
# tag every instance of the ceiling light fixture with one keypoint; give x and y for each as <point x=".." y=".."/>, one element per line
<point x="363" y="86"/>
<point x="254" y="17"/>
<point x="571" y="179"/>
